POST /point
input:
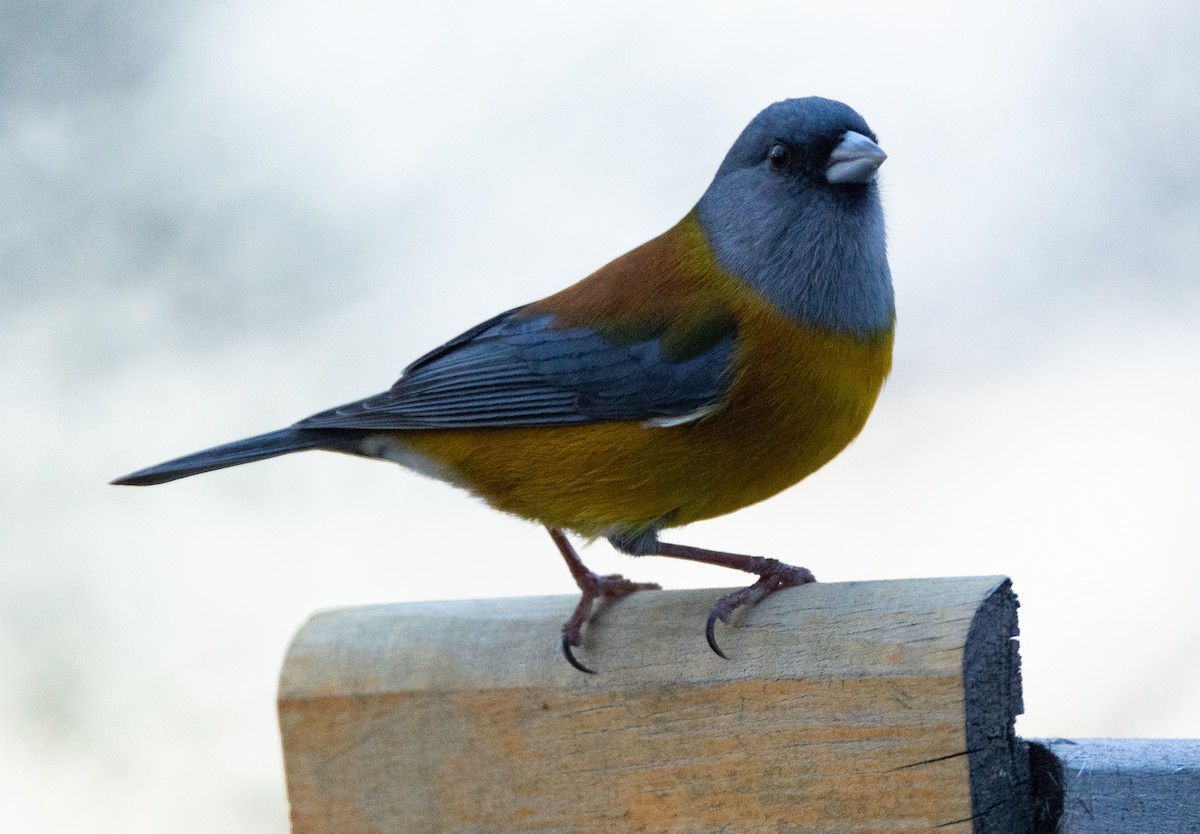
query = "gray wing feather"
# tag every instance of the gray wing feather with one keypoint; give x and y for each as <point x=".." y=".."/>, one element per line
<point x="520" y="370"/>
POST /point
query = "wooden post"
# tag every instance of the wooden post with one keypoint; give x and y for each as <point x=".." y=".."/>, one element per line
<point x="1116" y="785"/>
<point x="857" y="707"/>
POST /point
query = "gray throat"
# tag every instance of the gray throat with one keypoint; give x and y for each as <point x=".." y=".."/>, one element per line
<point x="820" y="258"/>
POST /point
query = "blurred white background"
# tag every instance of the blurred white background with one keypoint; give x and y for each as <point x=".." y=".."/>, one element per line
<point x="218" y="218"/>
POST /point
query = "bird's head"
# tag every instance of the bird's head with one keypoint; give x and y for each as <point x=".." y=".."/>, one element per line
<point x="794" y="212"/>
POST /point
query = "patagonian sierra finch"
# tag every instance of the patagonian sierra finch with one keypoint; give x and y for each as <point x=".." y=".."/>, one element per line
<point x="708" y="369"/>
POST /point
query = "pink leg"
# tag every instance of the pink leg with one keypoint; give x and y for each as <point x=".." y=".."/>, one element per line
<point x="594" y="587"/>
<point x="773" y="575"/>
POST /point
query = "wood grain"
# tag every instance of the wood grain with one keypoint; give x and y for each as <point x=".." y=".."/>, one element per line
<point x="843" y="708"/>
<point x="1117" y="785"/>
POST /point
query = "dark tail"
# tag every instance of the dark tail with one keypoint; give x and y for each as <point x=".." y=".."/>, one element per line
<point x="249" y="450"/>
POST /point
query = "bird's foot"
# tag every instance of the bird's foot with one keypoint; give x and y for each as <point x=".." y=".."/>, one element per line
<point x="773" y="575"/>
<point x="776" y="576"/>
<point x="593" y="587"/>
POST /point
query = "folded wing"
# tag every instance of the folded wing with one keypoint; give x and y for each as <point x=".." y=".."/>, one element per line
<point x="521" y="369"/>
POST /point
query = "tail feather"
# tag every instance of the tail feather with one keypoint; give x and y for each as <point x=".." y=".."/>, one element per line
<point x="261" y="447"/>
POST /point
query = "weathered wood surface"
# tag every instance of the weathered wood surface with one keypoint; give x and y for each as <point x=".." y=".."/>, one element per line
<point x="1117" y="785"/>
<point x="843" y="708"/>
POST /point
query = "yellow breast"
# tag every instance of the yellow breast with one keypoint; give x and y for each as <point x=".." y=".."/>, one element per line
<point x="798" y="397"/>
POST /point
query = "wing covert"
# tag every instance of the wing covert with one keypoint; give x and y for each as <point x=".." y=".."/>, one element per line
<point x="520" y="369"/>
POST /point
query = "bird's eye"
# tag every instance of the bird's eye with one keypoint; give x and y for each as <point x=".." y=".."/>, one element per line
<point x="779" y="157"/>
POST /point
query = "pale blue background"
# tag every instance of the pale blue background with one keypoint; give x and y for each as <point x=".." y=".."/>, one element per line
<point x="217" y="218"/>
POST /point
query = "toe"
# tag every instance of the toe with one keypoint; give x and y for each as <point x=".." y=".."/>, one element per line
<point x="569" y="654"/>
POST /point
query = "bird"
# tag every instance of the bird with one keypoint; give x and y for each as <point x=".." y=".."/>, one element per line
<point x="706" y="370"/>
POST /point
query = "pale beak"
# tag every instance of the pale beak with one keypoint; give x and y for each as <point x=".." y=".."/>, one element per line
<point x="855" y="160"/>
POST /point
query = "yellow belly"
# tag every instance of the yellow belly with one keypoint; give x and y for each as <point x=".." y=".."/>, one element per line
<point x="799" y="396"/>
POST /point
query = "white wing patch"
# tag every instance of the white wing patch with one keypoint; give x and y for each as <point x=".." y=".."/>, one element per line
<point x="691" y="417"/>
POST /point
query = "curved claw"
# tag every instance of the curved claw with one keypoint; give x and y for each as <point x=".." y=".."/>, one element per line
<point x="775" y="576"/>
<point x="710" y="635"/>
<point x="570" y="656"/>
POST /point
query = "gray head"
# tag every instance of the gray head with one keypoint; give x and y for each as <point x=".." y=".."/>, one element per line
<point x="794" y="212"/>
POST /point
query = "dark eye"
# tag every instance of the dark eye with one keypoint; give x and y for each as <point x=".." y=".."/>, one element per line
<point x="779" y="157"/>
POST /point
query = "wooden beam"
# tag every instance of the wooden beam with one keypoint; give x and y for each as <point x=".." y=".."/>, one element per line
<point x="1116" y="785"/>
<point x="863" y="707"/>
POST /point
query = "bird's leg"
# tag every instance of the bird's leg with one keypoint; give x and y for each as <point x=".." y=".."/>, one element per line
<point x="772" y="576"/>
<point x="594" y="587"/>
